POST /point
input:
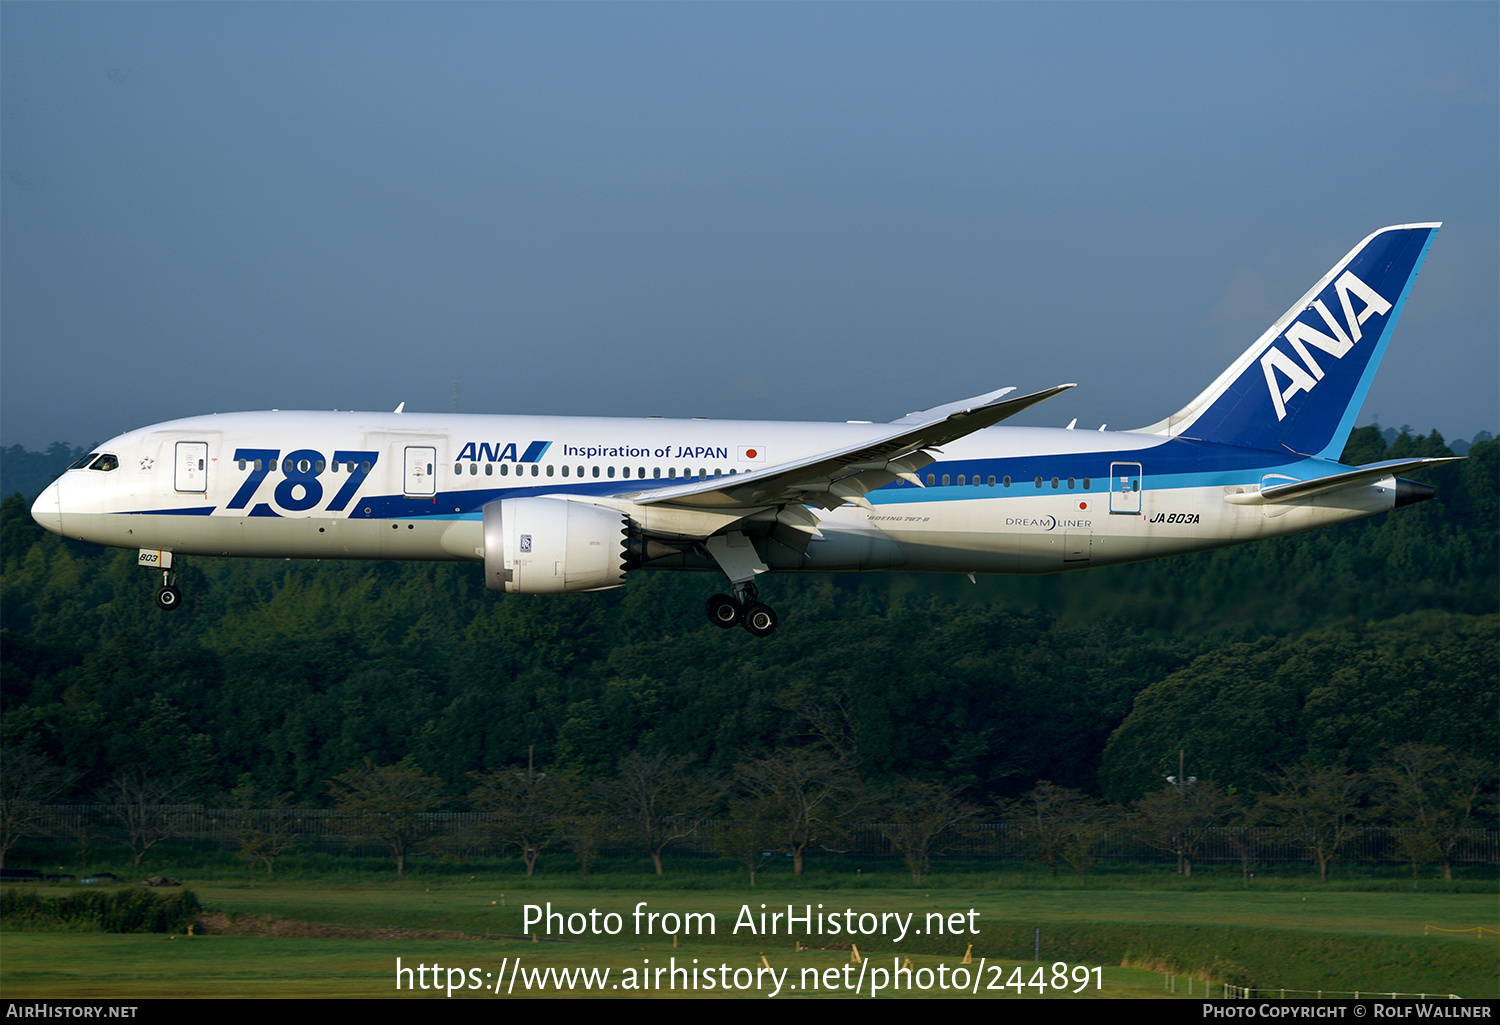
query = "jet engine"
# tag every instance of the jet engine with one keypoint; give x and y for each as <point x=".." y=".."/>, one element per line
<point x="552" y="546"/>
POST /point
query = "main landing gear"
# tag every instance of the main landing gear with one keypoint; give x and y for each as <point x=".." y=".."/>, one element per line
<point x="737" y="557"/>
<point x="724" y="611"/>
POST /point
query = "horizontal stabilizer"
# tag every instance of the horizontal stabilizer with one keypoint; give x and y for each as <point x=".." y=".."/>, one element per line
<point x="1358" y="476"/>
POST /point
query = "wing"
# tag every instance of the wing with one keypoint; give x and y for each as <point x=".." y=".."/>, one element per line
<point x="831" y="479"/>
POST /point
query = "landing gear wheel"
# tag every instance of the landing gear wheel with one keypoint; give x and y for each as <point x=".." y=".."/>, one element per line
<point x="168" y="598"/>
<point x="760" y="619"/>
<point x="723" y="611"/>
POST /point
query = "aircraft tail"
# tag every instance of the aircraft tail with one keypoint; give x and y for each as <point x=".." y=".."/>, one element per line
<point x="1300" y="386"/>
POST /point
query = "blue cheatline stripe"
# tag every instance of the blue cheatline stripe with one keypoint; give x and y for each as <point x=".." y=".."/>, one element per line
<point x="1173" y="463"/>
<point x="197" y="510"/>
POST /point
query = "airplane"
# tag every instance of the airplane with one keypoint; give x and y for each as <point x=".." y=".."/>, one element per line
<point x="556" y="504"/>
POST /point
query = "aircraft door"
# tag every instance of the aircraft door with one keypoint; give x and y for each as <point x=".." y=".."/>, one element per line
<point x="1125" y="488"/>
<point x="191" y="466"/>
<point x="421" y="470"/>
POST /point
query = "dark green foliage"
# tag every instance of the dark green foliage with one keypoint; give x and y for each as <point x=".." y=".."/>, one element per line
<point x="128" y="910"/>
<point x="1336" y="696"/>
<point x="285" y="674"/>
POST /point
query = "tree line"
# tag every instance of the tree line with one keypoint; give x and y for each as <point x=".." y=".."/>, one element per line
<point x="1421" y="805"/>
<point x="1332" y="649"/>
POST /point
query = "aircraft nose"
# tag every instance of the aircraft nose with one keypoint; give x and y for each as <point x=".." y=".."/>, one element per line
<point x="47" y="509"/>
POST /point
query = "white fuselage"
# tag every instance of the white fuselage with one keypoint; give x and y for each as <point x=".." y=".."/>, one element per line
<point x="412" y="486"/>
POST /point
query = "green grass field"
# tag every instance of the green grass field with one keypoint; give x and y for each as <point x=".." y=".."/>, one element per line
<point x="1301" y="937"/>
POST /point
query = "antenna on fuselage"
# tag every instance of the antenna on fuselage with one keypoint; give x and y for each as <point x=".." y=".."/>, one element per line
<point x="401" y="408"/>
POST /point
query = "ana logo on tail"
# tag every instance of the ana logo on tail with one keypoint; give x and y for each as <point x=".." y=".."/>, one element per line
<point x="1304" y="376"/>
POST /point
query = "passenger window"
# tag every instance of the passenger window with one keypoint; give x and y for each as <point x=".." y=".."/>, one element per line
<point x="242" y="465"/>
<point x="549" y="469"/>
<point x="596" y="472"/>
<point x="1007" y="481"/>
<point x="945" y="480"/>
<point x="365" y="466"/>
<point x="536" y="470"/>
<point x="931" y="480"/>
<point x="1039" y="482"/>
<point x="1085" y="483"/>
<point x="962" y="480"/>
<point x="612" y="472"/>
<point x="1054" y="483"/>
<point x="671" y="473"/>
<point x="656" y="471"/>
<point x="473" y="469"/>
<point x="565" y="470"/>
<point x="1070" y="483"/>
<point x="992" y="480"/>
<point x="505" y="469"/>
<point x="489" y="469"/>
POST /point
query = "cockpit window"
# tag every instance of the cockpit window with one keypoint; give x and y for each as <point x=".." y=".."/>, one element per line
<point x="105" y="462"/>
<point x="81" y="463"/>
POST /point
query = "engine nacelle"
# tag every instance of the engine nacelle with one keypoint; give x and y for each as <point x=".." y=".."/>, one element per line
<point x="552" y="546"/>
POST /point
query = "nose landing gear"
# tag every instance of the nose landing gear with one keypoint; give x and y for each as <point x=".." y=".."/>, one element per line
<point x="168" y="597"/>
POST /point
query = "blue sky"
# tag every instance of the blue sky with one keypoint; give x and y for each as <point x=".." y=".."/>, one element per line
<point x="783" y="211"/>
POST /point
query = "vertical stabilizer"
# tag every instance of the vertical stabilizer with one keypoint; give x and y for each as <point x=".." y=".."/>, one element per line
<point x="1300" y="386"/>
